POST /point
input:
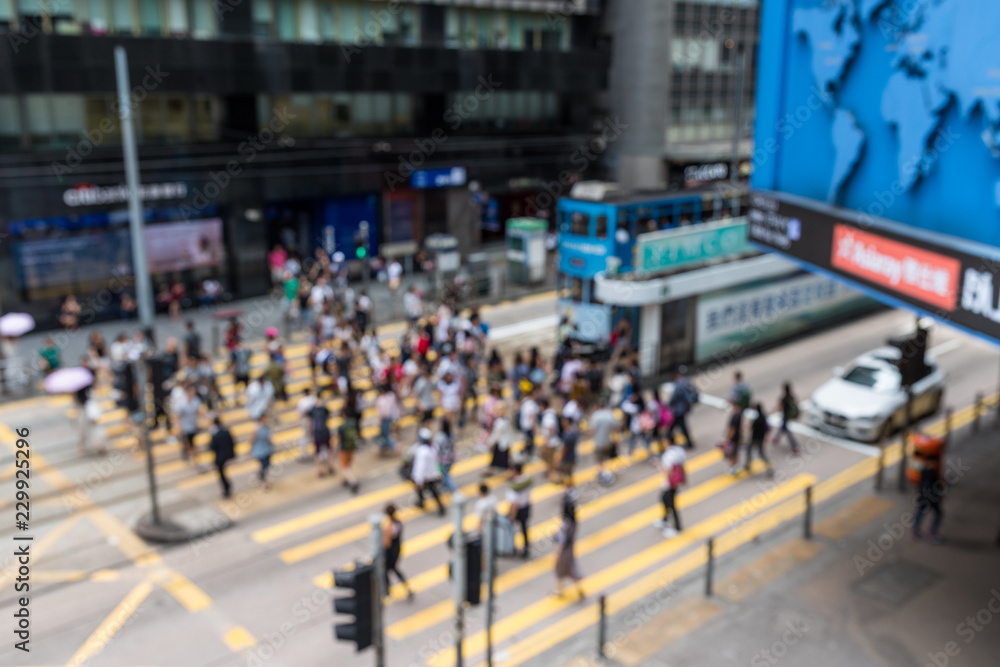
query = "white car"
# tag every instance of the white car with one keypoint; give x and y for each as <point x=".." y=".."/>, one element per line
<point x="866" y="401"/>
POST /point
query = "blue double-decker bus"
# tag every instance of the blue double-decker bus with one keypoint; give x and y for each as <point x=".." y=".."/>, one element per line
<point x="597" y="229"/>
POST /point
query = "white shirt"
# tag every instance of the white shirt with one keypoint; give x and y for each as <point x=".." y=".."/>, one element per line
<point x="413" y="304"/>
<point x="483" y="505"/>
<point x="318" y="295"/>
<point x="395" y="270"/>
<point x="425" y="464"/>
<point x="451" y="395"/>
<point x="569" y="372"/>
<point x="673" y="456"/>
<point x="550" y="428"/>
<point x="519" y="498"/>
<point x="572" y="410"/>
<point x="529" y="413"/>
<point x="305" y="405"/>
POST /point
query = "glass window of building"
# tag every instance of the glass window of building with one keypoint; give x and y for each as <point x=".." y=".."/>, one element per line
<point x="286" y="20"/>
<point x="177" y="119"/>
<point x="121" y="16"/>
<point x="402" y="111"/>
<point x="65" y="15"/>
<point x="38" y="118"/>
<point x="97" y="17"/>
<point x="308" y="17"/>
<point x="149" y="17"/>
<point x="351" y="31"/>
<point x="177" y="18"/>
<point x="206" y="113"/>
<point x="202" y="19"/>
<point x="150" y="116"/>
<point x="327" y="21"/>
<point x="263" y="18"/>
<point x="452" y="38"/>
<point x="100" y="115"/>
<point x="361" y="113"/>
<point x="7" y="13"/>
<point x="68" y="117"/>
<point x="10" y="121"/>
<point x="382" y="111"/>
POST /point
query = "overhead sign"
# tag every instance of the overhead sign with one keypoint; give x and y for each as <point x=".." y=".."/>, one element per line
<point x="447" y="177"/>
<point x="90" y="195"/>
<point x="955" y="281"/>
<point x="675" y="248"/>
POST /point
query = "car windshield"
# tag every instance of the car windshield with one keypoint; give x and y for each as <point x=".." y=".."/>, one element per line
<point x="879" y="380"/>
<point x="863" y="375"/>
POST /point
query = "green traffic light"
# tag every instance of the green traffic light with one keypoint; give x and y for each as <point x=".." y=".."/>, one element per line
<point x="361" y="252"/>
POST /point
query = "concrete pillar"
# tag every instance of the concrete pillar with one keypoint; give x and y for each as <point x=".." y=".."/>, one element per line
<point x="639" y="88"/>
<point x="649" y="339"/>
<point x="462" y="221"/>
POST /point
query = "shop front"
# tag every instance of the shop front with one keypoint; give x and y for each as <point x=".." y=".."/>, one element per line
<point x="87" y="251"/>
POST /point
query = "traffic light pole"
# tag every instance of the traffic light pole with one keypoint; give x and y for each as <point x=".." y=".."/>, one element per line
<point x="458" y="572"/>
<point x="906" y="438"/>
<point x="378" y="559"/>
<point x="491" y="562"/>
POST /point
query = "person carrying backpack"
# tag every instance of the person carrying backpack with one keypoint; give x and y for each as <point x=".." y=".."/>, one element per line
<point x="683" y="398"/>
<point x="789" y="407"/>
<point x="740" y="393"/>
<point x="348" y="436"/>
<point x="674" y="476"/>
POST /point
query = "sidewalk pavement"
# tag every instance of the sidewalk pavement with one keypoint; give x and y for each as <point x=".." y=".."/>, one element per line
<point x="862" y="592"/>
<point x="259" y="313"/>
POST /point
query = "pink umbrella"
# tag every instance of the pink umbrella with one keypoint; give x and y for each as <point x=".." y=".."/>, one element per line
<point x="68" y="380"/>
<point x="13" y="325"/>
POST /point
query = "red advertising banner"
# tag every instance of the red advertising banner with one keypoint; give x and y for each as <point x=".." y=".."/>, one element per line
<point x="920" y="274"/>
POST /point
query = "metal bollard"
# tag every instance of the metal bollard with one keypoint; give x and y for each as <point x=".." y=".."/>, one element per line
<point x="602" y="629"/>
<point x="710" y="567"/>
<point x="808" y="518"/>
<point x="976" y="409"/>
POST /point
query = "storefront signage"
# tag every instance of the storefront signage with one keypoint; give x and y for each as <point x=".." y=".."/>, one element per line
<point x="951" y="279"/>
<point x="674" y="248"/>
<point x="448" y="177"/>
<point x="706" y="172"/>
<point x="91" y="195"/>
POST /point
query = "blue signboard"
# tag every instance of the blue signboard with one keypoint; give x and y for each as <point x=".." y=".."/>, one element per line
<point x="887" y="107"/>
<point x="447" y="177"/>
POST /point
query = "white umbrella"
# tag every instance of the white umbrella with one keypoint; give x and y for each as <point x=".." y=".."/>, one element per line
<point x="13" y="325"/>
<point x="68" y="380"/>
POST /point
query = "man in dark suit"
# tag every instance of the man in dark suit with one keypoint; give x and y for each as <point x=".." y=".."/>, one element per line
<point x="225" y="450"/>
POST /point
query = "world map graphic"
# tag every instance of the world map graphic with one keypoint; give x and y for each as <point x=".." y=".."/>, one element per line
<point x="908" y="125"/>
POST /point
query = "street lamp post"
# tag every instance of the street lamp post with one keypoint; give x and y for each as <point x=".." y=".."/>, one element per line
<point x="140" y="270"/>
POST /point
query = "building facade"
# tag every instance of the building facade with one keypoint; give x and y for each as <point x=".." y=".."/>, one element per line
<point x="292" y="121"/>
<point x="678" y="69"/>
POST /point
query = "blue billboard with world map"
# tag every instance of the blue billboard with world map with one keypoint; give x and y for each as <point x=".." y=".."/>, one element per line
<point x="890" y="108"/>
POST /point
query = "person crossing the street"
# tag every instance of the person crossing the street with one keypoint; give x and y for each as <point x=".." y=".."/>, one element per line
<point x="304" y="410"/>
<point x="262" y="448"/>
<point x="566" y="566"/>
<point x="674" y="476"/>
<point x="519" y="501"/>
<point x="758" y="434"/>
<point x="789" y="407"/>
<point x="682" y="400"/>
<point x="425" y="473"/>
<point x="224" y="449"/>
<point x="392" y="543"/>
<point x="348" y="436"/>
